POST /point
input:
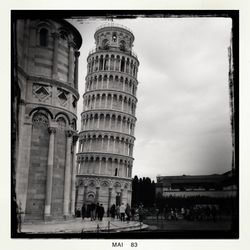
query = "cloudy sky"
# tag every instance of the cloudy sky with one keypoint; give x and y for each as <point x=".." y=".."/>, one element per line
<point x="183" y="115"/>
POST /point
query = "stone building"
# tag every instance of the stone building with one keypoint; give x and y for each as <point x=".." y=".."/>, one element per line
<point x="215" y="185"/>
<point x="46" y="94"/>
<point x="105" y="154"/>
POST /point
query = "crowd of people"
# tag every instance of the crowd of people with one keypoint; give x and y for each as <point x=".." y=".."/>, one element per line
<point x="96" y="212"/>
<point x="197" y="212"/>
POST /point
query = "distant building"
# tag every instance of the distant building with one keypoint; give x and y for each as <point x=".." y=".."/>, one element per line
<point x="215" y="185"/>
<point x="44" y="114"/>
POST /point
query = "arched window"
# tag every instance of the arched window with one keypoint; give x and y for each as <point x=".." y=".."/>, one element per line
<point x="105" y="44"/>
<point x="43" y="37"/>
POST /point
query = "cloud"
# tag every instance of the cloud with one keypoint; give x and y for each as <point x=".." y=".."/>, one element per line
<point x="183" y="111"/>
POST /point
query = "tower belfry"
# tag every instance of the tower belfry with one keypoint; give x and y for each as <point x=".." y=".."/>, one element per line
<point x="105" y="154"/>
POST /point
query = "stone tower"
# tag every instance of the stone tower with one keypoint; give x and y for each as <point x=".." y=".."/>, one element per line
<point x="105" y="154"/>
<point x="46" y="76"/>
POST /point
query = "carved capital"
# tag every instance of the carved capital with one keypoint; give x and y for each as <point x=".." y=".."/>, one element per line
<point x="52" y="130"/>
<point x="69" y="133"/>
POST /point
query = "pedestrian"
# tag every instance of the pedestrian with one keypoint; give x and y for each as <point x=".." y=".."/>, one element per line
<point x="128" y="212"/>
<point x="132" y="213"/>
<point x="100" y="212"/>
<point x="118" y="215"/>
<point x="97" y="210"/>
<point x="83" y="211"/>
<point x="122" y="212"/>
<point x="92" y="211"/>
<point x="112" y="211"/>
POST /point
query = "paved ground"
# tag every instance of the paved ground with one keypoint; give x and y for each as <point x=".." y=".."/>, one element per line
<point x="78" y="226"/>
<point x="185" y="225"/>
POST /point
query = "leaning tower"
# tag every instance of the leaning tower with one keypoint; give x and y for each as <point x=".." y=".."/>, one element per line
<point x="105" y="154"/>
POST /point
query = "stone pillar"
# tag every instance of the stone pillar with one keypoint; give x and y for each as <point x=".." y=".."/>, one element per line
<point x="118" y="168"/>
<point x="122" y="104"/>
<point x="71" y="62"/>
<point x="112" y="99"/>
<point x="97" y="194"/>
<point x="106" y="167"/>
<point x="50" y="163"/>
<point x="121" y="196"/>
<point x="109" y="63"/>
<point x="55" y="56"/>
<point x="77" y="54"/>
<point x="85" y="194"/>
<point x="109" y="200"/>
<point x="108" y="144"/>
<point x="67" y="176"/>
<point x="73" y="177"/>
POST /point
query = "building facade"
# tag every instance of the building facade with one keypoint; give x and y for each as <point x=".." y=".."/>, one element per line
<point x="215" y="185"/>
<point x="106" y="140"/>
<point x="46" y="76"/>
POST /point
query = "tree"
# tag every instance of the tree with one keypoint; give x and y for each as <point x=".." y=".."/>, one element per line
<point x="143" y="191"/>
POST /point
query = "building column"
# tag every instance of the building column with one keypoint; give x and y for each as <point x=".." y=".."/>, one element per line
<point x="121" y="195"/>
<point x="77" y="54"/>
<point x="67" y="176"/>
<point x="97" y="194"/>
<point x="85" y="194"/>
<point x="109" y="200"/>
<point x="113" y="148"/>
<point x="73" y="177"/>
<point x="118" y="168"/>
<point x="71" y="62"/>
<point x="55" y="55"/>
<point x="112" y="97"/>
<point x="99" y="170"/>
<point x="50" y="163"/>
<point x="108" y="144"/>
<point x="106" y="167"/>
<point x="109" y="63"/>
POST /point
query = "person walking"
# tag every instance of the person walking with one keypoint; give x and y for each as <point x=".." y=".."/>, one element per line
<point x="112" y="211"/>
<point x="101" y="212"/>
<point x="97" y="210"/>
<point x="92" y="211"/>
<point x="83" y="211"/>
<point x="128" y="212"/>
<point x="118" y="215"/>
<point x="122" y="212"/>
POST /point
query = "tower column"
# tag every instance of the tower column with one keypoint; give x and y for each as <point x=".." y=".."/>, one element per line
<point x="77" y="54"/>
<point x="73" y="177"/>
<point x="67" y="176"/>
<point x="109" y="199"/>
<point x="85" y="193"/>
<point x="97" y="194"/>
<point x="47" y="211"/>
<point x="55" y="55"/>
<point x="121" y="196"/>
